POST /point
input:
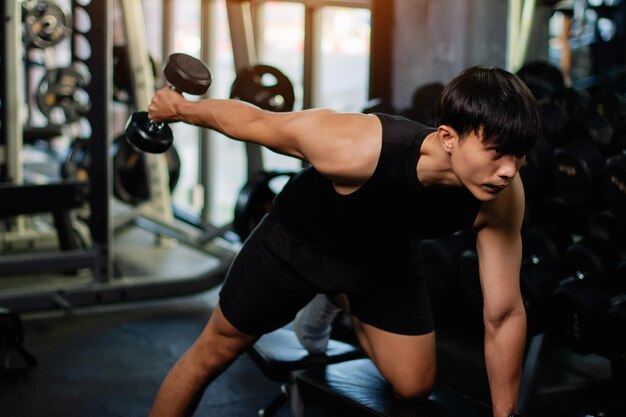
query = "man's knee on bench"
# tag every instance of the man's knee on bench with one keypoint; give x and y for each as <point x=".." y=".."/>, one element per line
<point x="417" y="388"/>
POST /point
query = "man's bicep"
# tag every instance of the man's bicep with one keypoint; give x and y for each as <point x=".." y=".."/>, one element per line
<point x="499" y="256"/>
<point x="499" y="247"/>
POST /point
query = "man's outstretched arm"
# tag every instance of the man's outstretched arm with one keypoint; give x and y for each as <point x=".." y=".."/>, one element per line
<point x="499" y="248"/>
<point x="342" y="146"/>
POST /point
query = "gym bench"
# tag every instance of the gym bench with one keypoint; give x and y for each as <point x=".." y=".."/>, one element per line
<point x="279" y="353"/>
<point x="355" y="388"/>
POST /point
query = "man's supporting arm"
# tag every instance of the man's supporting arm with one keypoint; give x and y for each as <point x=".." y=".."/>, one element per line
<point x="499" y="248"/>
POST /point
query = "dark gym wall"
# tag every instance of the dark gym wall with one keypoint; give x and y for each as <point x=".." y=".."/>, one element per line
<point x="435" y="39"/>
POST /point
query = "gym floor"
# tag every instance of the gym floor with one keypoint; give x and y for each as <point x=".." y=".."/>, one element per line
<point x="110" y="361"/>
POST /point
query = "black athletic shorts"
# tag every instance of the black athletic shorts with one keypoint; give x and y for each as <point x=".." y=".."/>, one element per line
<point x="276" y="274"/>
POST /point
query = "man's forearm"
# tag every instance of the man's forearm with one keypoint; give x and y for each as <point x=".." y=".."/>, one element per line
<point x="504" y="352"/>
<point x="230" y="117"/>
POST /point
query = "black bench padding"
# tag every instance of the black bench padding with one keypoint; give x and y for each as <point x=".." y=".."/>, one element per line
<point x="356" y="388"/>
<point x="279" y="353"/>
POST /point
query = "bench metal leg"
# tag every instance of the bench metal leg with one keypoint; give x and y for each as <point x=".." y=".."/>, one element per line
<point x="276" y="404"/>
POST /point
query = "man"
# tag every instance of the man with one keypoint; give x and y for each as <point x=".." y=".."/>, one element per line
<point x="343" y="227"/>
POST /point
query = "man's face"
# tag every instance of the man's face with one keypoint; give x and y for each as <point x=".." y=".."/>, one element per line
<point x="482" y="170"/>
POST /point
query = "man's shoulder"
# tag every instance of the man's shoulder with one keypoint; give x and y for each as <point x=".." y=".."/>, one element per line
<point x="400" y="129"/>
<point x="505" y="211"/>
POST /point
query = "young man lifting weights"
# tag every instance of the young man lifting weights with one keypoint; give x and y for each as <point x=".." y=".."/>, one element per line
<point x="343" y="227"/>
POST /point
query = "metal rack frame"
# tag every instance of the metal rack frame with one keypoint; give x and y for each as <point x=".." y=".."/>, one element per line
<point x="106" y="284"/>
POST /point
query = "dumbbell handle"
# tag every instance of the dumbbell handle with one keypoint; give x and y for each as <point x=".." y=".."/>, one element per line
<point x="184" y="74"/>
<point x="156" y="126"/>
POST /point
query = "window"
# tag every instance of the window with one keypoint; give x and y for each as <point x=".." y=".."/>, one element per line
<point x="344" y="59"/>
<point x="228" y="161"/>
<point x="186" y="39"/>
<point x="342" y="78"/>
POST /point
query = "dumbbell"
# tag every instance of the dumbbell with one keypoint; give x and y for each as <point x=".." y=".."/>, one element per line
<point x="542" y="250"/>
<point x="614" y="184"/>
<point x="614" y="327"/>
<point x="578" y="164"/>
<point x="541" y="258"/>
<point x="437" y="262"/>
<point x="544" y="80"/>
<point x="582" y="296"/>
<point x="534" y="172"/>
<point x="185" y="74"/>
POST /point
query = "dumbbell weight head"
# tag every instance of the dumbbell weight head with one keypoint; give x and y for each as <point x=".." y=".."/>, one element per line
<point x="614" y="327"/>
<point x="542" y="252"/>
<point x="546" y="245"/>
<point x="589" y="127"/>
<point x="438" y="264"/>
<point x="553" y="119"/>
<point x="614" y="185"/>
<point x="591" y="259"/>
<point x="575" y="103"/>
<point x="186" y="74"/>
<point x="605" y="225"/>
<point x="612" y="104"/>
<point x="579" y="302"/>
<point x="469" y="278"/>
<point x="576" y="170"/>
<point x="538" y="163"/>
<point x="577" y="314"/>
<point x="536" y="284"/>
<point x="544" y="80"/>
<point x="146" y="136"/>
<point x="468" y="296"/>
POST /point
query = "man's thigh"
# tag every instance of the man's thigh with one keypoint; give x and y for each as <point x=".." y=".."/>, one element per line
<point x="408" y="362"/>
<point x="262" y="292"/>
<point x="395" y="324"/>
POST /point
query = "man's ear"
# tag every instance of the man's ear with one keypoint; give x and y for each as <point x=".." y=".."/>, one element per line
<point x="448" y="137"/>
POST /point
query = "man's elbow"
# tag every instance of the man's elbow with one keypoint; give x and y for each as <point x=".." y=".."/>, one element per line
<point x="495" y="318"/>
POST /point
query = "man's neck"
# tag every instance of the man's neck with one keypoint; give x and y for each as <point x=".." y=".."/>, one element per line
<point x="433" y="166"/>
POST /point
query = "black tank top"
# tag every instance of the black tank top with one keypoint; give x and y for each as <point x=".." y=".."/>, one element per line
<point x="384" y="214"/>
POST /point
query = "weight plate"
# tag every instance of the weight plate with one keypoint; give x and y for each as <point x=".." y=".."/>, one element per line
<point x="123" y="90"/>
<point x="61" y="95"/>
<point x="46" y="23"/>
<point x="130" y="183"/>
<point x="265" y="87"/>
<point x="254" y="201"/>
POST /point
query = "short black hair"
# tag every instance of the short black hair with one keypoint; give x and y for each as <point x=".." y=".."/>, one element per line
<point x="494" y="102"/>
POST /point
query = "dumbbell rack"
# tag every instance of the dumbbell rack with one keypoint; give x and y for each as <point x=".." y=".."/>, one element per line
<point x="200" y="265"/>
